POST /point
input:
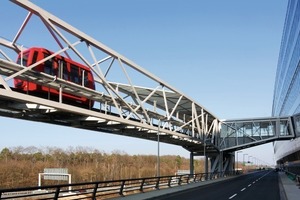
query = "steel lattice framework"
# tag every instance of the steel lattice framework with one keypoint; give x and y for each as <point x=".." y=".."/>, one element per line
<point x="121" y="106"/>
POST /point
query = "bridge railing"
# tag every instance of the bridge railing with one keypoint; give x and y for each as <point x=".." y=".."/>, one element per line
<point x="108" y="189"/>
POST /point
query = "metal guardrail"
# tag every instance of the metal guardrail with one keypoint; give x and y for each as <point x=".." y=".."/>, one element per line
<point x="108" y="189"/>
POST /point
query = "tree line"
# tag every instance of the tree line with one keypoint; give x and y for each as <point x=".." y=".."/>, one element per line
<point x="20" y="166"/>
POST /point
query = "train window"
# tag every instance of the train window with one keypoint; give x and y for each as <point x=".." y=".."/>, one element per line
<point x="74" y="75"/>
<point x="23" y="59"/>
<point x="81" y="72"/>
<point x="62" y="69"/>
<point x="86" y="79"/>
<point x="65" y="71"/>
<point x="48" y="65"/>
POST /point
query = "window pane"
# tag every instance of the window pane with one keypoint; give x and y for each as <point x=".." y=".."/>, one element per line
<point x="74" y="74"/>
<point x="24" y="59"/>
<point x="65" y="72"/>
<point x="86" y="80"/>
<point x="48" y="65"/>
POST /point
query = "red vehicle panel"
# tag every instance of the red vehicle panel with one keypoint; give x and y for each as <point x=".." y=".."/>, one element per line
<point x="59" y="66"/>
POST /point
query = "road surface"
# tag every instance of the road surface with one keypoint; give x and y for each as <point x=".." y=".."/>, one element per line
<point x="259" y="185"/>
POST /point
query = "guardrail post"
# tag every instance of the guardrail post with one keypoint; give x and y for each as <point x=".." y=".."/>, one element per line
<point x="56" y="195"/>
<point x="157" y="183"/>
<point x="201" y="176"/>
<point x="122" y="188"/>
<point x="95" y="191"/>
<point x="169" y="181"/>
<point x="142" y="185"/>
<point x="195" y="177"/>
<point x="180" y="179"/>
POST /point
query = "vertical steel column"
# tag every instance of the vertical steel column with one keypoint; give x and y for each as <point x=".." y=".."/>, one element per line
<point x="206" y="164"/>
<point x="192" y="163"/>
<point x="158" y="150"/>
<point x="206" y="167"/>
<point x="221" y="159"/>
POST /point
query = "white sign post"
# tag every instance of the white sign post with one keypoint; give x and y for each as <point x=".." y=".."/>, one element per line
<point x="55" y="174"/>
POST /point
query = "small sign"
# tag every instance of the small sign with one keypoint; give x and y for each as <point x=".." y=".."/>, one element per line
<point x="56" y="174"/>
<point x="182" y="172"/>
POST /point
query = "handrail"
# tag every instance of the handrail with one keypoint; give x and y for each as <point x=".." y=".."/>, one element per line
<point x="109" y="189"/>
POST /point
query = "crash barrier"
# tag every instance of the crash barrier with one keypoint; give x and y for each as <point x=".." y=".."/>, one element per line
<point x="108" y="189"/>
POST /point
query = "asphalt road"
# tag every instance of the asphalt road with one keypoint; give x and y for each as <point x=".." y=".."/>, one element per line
<point x="259" y="185"/>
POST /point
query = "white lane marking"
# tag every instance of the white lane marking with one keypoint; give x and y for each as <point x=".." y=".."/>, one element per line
<point x="253" y="182"/>
<point x="243" y="189"/>
<point x="249" y="185"/>
<point x="232" y="196"/>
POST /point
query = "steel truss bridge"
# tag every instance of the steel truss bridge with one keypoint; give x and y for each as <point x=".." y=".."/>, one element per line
<point x="129" y="100"/>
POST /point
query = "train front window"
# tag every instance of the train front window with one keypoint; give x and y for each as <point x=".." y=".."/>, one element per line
<point x="23" y="59"/>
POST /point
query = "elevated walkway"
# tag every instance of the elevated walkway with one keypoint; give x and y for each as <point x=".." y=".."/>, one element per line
<point x="244" y="133"/>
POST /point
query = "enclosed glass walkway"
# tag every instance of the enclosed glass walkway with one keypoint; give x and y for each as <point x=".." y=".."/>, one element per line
<point x="244" y="133"/>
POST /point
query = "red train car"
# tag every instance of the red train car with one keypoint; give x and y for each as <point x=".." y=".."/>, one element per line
<point x="59" y="66"/>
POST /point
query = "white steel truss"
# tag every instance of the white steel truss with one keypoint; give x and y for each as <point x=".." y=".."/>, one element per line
<point x="121" y="106"/>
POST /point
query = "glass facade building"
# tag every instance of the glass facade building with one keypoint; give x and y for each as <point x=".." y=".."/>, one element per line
<point x="286" y="101"/>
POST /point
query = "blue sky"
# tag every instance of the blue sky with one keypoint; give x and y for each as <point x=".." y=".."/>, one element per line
<point x="222" y="54"/>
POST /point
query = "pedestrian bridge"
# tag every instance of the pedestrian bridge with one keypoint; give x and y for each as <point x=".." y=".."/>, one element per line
<point x="244" y="133"/>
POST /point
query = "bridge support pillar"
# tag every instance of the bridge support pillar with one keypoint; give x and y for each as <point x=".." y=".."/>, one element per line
<point x="221" y="159"/>
<point x="228" y="162"/>
<point x="232" y="162"/>
<point x="192" y="163"/>
<point x="222" y="162"/>
<point x="206" y="163"/>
